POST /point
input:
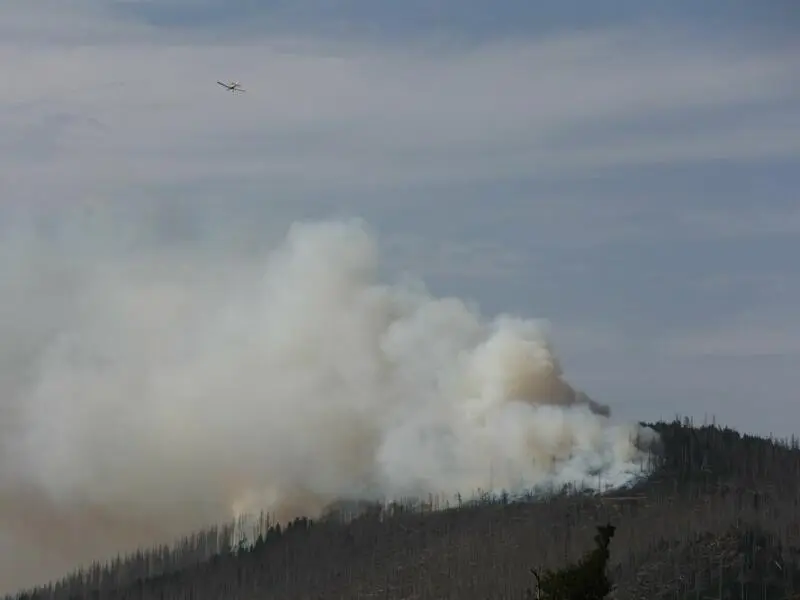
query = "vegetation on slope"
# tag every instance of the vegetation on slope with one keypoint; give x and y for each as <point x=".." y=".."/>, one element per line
<point x="719" y="518"/>
<point x="586" y="580"/>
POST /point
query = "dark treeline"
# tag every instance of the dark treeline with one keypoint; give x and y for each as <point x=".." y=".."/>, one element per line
<point x="719" y="518"/>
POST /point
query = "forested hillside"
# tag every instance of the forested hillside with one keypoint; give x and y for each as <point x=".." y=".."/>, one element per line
<point x="719" y="518"/>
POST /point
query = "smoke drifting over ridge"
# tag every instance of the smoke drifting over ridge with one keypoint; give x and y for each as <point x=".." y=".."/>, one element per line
<point x="145" y="397"/>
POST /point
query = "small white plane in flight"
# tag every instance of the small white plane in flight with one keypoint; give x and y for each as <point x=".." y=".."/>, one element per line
<point x="233" y="86"/>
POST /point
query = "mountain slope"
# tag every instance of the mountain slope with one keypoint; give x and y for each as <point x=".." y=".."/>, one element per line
<point x="718" y="518"/>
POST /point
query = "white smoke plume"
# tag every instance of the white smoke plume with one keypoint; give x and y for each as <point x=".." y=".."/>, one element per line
<point x="147" y="396"/>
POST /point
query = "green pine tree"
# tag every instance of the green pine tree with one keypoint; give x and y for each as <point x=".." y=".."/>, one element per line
<point x="586" y="580"/>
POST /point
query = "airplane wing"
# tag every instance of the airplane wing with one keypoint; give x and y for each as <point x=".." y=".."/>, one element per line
<point x="225" y="85"/>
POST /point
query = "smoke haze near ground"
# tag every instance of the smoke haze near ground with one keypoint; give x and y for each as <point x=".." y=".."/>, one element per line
<point x="147" y="393"/>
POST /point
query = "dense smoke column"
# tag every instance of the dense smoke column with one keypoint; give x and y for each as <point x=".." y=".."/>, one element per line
<point x="150" y="395"/>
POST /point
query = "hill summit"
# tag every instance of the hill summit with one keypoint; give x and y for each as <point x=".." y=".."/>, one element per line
<point x="718" y="518"/>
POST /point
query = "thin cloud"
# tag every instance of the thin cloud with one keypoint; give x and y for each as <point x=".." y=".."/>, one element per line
<point x="744" y="223"/>
<point x="761" y="332"/>
<point x="353" y="115"/>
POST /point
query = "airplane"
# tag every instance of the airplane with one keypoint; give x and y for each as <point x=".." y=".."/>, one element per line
<point x="233" y="86"/>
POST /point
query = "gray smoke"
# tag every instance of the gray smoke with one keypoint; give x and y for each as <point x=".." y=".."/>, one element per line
<point x="150" y="392"/>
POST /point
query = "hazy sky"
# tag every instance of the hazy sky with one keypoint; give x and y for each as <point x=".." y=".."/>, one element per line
<point x="628" y="170"/>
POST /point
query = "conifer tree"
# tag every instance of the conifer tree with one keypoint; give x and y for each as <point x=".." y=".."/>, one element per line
<point x="586" y="580"/>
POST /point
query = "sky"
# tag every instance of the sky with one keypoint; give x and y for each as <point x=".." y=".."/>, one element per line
<point x="628" y="171"/>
